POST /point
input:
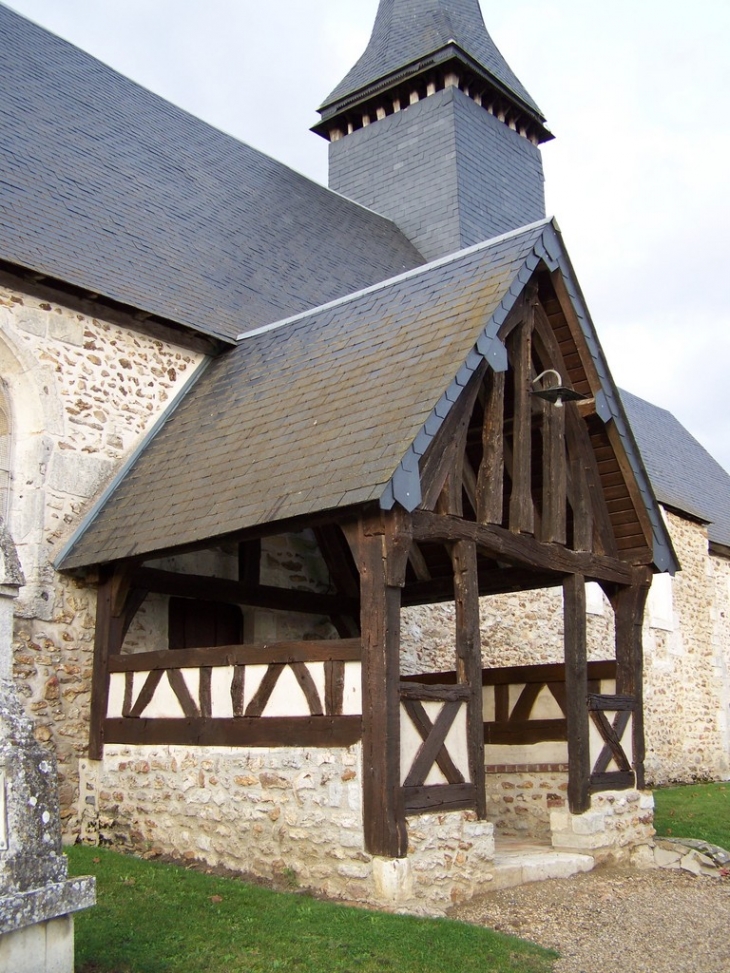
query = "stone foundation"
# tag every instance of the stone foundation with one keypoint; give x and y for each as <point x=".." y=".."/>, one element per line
<point x="290" y="814"/>
<point x="617" y="828"/>
<point x="520" y="803"/>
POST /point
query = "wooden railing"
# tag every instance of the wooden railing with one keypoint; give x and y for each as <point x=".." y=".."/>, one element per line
<point x="514" y="725"/>
<point x="200" y="699"/>
<point x="457" y="792"/>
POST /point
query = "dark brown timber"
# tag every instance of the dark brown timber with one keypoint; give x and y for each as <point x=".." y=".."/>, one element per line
<point x="312" y="731"/>
<point x="576" y="689"/>
<point x="383" y="811"/>
<point x="522" y="550"/>
<point x="469" y="660"/>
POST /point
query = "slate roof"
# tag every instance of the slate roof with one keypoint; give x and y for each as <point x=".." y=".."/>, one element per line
<point x="331" y="408"/>
<point x="311" y="415"/>
<point x="407" y="30"/>
<point x="110" y="188"/>
<point x="682" y="472"/>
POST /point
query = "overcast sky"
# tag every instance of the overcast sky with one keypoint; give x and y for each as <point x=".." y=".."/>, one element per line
<point x="635" y="91"/>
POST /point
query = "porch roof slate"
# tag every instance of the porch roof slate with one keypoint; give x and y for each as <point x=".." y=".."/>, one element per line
<point x="313" y="414"/>
<point x="112" y="189"/>
<point x="684" y="475"/>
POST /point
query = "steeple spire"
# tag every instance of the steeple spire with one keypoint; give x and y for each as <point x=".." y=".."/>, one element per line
<point x="408" y="31"/>
<point x="432" y="128"/>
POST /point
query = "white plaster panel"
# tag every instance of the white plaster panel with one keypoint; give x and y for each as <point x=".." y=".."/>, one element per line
<point x="316" y="671"/>
<point x="220" y="692"/>
<point x="288" y="698"/>
<point x="546" y="707"/>
<point x="488" y="704"/>
<point x="660" y="603"/>
<point x="192" y="681"/>
<point x="457" y="743"/>
<point x="254" y="675"/>
<point x="116" y="695"/>
<point x="526" y="754"/>
<point x="595" y="599"/>
<point x="352" y="694"/>
<point x="164" y="705"/>
<point x="597" y="743"/>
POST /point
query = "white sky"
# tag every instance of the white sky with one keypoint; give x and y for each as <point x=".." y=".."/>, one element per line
<point x="635" y="91"/>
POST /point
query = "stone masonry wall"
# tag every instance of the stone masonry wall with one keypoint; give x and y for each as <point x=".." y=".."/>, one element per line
<point x="83" y="389"/>
<point x="288" y="813"/>
<point x="686" y="688"/>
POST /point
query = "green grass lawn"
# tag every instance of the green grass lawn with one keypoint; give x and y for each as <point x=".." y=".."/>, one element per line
<point x="694" y="811"/>
<point x="153" y="917"/>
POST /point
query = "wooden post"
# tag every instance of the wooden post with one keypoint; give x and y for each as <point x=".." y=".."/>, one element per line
<point x="576" y="691"/>
<point x="629" y="604"/>
<point x="469" y="660"/>
<point x="116" y="605"/>
<point x="490" y="480"/>
<point x="381" y="555"/>
<point x="521" y="509"/>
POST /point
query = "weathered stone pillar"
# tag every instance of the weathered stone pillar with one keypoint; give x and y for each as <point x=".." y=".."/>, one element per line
<point x="37" y="899"/>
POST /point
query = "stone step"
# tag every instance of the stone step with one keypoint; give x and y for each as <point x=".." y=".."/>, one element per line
<point x="518" y="865"/>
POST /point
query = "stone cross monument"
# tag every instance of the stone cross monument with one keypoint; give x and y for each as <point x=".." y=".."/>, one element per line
<point x="37" y="899"/>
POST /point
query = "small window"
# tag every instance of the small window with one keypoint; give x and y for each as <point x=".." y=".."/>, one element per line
<point x="203" y="624"/>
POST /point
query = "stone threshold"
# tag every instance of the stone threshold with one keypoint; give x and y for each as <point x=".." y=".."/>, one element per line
<point x="518" y="861"/>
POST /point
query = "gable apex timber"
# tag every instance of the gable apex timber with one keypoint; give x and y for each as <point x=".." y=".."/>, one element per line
<point x="548" y="250"/>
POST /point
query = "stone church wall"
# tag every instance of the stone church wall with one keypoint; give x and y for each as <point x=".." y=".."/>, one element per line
<point x="82" y="390"/>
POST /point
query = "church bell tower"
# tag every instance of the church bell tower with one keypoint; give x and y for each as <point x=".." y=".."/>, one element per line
<point x="432" y="129"/>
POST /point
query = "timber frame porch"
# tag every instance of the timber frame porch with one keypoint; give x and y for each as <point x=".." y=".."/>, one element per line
<point x="514" y="494"/>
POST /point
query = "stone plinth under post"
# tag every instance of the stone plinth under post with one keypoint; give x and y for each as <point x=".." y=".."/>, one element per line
<point x="37" y="899"/>
<point x="618" y="827"/>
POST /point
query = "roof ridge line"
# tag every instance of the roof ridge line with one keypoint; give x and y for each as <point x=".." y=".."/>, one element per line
<point x="406" y="275"/>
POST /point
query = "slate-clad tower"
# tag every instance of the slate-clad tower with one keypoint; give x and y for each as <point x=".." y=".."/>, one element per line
<point x="432" y="129"/>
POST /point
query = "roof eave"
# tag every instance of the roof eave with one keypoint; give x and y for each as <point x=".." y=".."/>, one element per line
<point x="347" y="102"/>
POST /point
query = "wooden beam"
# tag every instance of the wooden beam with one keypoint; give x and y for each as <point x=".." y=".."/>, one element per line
<point x="253" y="654"/>
<point x="507" y="733"/>
<point x="491" y="582"/>
<point x="522" y="550"/>
<point x="576" y="690"/>
<point x="432" y="749"/>
<point x="439" y="797"/>
<point x="469" y="660"/>
<point x="490" y="479"/>
<point x="116" y="605"/>
<point x="249" y="562"/>
<point x="554" y="475"/>
<point x="629" y="605"/>
<point x="233" y="592"/>
<point x="337" y="557"/>
<point x="285" y="731"/>
<point x="443" y="460"/>
<point x="588" y="498"/>
<point x="373" y="545"/>
<point x="521" y="507"/>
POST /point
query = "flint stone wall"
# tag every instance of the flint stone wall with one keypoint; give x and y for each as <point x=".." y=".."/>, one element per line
<point x="287" y="813"/>
<point x="83" y="389"/>
<point x="618" y="828"/>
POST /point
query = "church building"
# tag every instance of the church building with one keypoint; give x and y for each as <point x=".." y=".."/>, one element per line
<point x="256" y="432"/>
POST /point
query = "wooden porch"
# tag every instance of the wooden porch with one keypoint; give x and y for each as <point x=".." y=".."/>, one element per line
<point x="515" y="493"/>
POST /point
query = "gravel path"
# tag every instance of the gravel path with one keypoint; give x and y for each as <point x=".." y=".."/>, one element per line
<point x="652" y="921"/>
